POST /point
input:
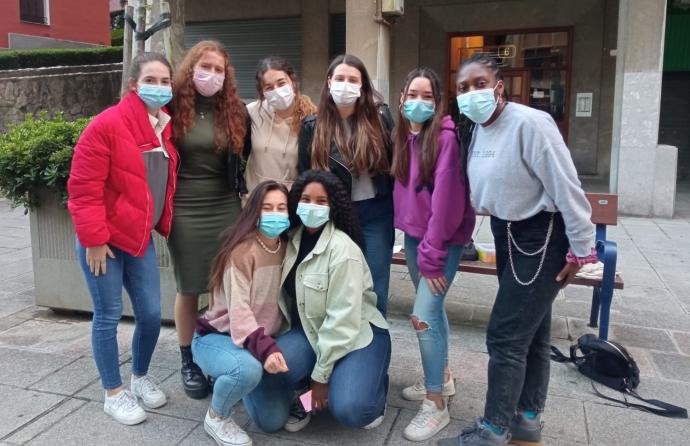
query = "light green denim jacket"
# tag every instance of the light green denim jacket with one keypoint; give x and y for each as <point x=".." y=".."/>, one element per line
<point x="334" y="295"/>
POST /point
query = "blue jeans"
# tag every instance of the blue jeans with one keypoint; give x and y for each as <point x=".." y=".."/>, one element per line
<point x="430" y="310"/>
<point x="357" y="389"/>
<point x="376" y="220"/>
<point x="237" y="372"/>
<point x="141" y="279"/>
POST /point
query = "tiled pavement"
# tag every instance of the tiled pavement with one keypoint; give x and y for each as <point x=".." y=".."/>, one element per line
<point x="50" y="394"/>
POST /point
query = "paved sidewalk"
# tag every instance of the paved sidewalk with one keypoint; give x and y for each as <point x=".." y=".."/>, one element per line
<point x="50" y="393"/>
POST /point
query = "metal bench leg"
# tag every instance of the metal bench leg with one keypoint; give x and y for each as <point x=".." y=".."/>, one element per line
<point x="608" y="253"/>
<point x="594" y="312"/>
<point x="606" y="299"/>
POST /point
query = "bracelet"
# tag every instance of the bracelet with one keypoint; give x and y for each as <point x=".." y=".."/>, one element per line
<point x="571" y="258"/>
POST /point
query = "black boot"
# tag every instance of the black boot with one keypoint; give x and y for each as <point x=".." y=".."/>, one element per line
<point x="193" y="379"/>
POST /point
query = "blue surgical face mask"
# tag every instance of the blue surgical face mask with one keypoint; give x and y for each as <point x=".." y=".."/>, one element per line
<point x="478" y="105"/>
<point x="272" y="224"/>
<point x="154" y="96"/>
<point x="313" y="215"/>
<point x="418" y="111"/>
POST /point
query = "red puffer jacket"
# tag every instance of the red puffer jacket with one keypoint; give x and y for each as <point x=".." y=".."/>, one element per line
<point x="109" y="196"/>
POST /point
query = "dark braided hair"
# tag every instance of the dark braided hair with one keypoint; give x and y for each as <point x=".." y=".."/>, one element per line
<point x="342" y="212"/>
<point x="465" y="126"/>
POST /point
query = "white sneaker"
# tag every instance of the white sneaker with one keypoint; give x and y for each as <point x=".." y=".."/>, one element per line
<point x="146" y="388"/>
<point x="429" y="421"/>
<point x="225" y="431"/>
<point x="298" y="418"/>
<point x="124" y="408"/>
<point x="417" y="391"/>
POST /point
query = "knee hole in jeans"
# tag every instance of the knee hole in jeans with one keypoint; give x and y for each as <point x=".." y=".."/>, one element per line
<point x="419" y="326"/>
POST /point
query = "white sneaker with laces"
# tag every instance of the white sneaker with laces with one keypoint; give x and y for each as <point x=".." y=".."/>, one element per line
<point x="429" y="421"/>
<point x="417" y="391"/>
<point x="124" y="408"/>
<point x="146" y="388"/>
<point x="225" y="431"/>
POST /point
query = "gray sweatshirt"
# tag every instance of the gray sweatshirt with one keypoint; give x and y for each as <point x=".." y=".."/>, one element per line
<point x="519" y="166"/>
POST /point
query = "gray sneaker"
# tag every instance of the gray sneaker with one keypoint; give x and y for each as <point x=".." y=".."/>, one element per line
<point x="525" y="431"/>
<point x="477" y="435"/>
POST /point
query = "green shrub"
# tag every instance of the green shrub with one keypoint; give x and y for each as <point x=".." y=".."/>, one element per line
<point x="117" y="37"/>
<point x="15" y="59"/>
<point x="35" y="156"/>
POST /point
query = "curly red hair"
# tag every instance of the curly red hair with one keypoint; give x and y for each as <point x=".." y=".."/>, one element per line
<point x="230" y="111"/>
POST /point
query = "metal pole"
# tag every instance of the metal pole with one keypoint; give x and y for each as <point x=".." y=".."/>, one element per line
<point x="141" y="24"/>
<point x="167" y="47"/>
<point x="127" y="49"/>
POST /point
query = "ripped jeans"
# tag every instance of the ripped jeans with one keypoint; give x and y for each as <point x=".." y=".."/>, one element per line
<point x="429" y="315"/>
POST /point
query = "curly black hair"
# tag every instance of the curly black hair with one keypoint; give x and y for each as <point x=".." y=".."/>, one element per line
<point x="342" y="212"/>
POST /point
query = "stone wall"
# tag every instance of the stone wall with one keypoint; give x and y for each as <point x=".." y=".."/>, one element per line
<point x="75" y="91"/>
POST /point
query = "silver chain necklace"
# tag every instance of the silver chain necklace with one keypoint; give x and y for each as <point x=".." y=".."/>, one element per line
<point x="258" y="239"/>
<point x="542" y="250"/>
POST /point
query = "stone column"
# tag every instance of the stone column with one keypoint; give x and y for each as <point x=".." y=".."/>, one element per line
<point x="315" y="39"/>
<point x="370" y="41"/>
<point x="642" y="172"/>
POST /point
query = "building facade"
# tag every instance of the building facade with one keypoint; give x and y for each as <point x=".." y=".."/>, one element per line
<point x="54" y="24"/>
<point x="595" y="65"/>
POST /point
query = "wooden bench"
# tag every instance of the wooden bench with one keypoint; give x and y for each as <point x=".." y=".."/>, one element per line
<point x="604" y="213"/>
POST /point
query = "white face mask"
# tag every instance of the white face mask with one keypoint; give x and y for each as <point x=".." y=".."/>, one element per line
<point x="345" y="93"/>
<point x="281" y="98"/>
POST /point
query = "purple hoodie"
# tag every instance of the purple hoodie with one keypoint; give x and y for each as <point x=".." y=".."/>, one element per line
<point x="440" y="218"/>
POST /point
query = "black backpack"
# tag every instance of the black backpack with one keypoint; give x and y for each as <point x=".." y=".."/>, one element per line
<point x="609" y="363"/>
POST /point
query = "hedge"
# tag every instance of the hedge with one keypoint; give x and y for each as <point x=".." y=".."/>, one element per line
<point x="35" y="155"/>
<point x="37" y="58"/>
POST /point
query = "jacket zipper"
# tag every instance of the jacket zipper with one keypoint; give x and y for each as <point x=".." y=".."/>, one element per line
<point x="143" y="241"/>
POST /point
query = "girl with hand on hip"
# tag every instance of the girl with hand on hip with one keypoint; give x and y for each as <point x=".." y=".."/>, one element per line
<point x="432" y="208"/>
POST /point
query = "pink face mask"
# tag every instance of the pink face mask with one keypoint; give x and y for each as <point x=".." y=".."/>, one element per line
<point x="207" y="83"/>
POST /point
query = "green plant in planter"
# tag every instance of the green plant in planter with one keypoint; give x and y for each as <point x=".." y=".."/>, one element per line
<point x="35" y="156"/>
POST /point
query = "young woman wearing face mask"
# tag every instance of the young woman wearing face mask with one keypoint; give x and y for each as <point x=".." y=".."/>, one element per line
<point x="233" y="340"/>
<point x="121" y="187"/>
<point x="432" y="208"/>
<point x="338" y="343"/>
<point x="210" y="125"/>
<point x="350" y="136"/>
<point x="276" y="120"/>
<point x="521" y="173"/>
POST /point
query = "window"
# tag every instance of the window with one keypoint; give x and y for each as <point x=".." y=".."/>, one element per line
<point x="33" y="11"/>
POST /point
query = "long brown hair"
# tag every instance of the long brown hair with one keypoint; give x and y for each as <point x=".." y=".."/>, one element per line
<point x="428" y="137"/>
<point x="303" y="104"/>
<point x="230" y="112"/>
<point x="243" y="228"/>
<point x="365" y="151"/>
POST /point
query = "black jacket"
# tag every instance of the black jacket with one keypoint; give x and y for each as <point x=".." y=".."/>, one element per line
<point x="383" y="182"/>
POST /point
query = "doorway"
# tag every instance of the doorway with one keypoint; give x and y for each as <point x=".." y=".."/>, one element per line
<point x="536" y="66"/>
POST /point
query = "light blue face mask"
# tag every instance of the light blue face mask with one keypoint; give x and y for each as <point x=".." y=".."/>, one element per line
<point x="478" y="105"/>
<point x="272" y="224"/>
<point x="154" y="96"/>
<point x="313" y="215"/>
<point x="418" y="111"/>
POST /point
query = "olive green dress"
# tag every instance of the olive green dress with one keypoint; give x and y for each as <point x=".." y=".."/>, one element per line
<point x="205" y="203"/>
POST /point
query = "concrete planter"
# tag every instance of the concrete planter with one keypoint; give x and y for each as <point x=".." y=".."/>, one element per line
<point x="58" y="278"/>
